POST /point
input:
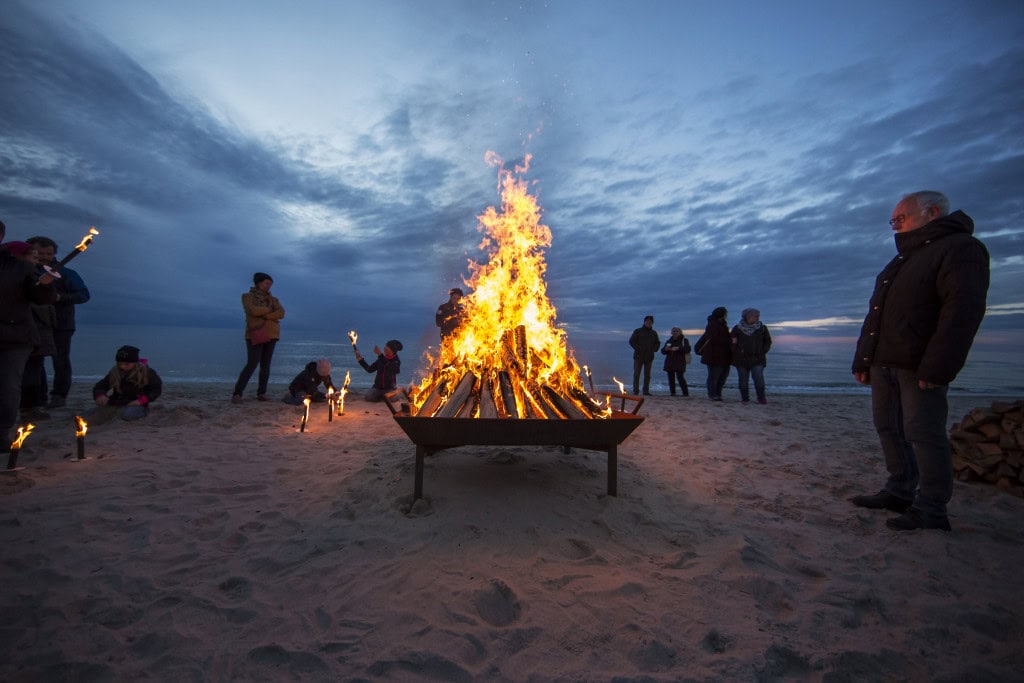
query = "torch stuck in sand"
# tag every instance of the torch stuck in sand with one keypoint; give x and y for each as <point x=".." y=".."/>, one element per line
<point x="12" y="459"/>
<point x="81" y="427"/>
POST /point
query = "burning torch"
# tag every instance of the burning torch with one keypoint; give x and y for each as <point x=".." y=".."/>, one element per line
<point x="81" y="246"/>
<point x="352" y="337"/>
<point x="330" y="404"/>
<point x="81" y="427"/>
<point x="12" y="459"/>
<point x="305" y="414"/>
<point x="341" y="394"/>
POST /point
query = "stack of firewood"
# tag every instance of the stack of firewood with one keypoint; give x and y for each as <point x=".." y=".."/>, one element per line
<point x="988" y="445"/>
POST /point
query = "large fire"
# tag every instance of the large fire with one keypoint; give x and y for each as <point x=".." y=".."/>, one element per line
<point x="508" y="358"/>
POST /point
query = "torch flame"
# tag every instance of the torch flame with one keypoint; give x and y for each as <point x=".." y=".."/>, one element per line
<point x="87" y="240"/>
<point x="622" y="387"/>
<point x="353" y="336"/>
<point x="81" y="426"/>
<point x="23" y="433"/>
<point x="343" y="391"/>
<point x="508" y="322"/>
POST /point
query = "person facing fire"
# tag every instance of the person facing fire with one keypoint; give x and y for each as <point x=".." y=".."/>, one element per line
<point x="449" y="314"/>
<point x="387" y="367"/>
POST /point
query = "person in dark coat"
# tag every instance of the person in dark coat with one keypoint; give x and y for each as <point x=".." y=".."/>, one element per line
<point x="716" y="352"/>
<point x="926" y="308"/>
<point x="307" y="383"/>
<point x="752" y="342"/>
<point x="387" y="366"/>
<point x="645" y="343"/>
<point x="675" y="350"/>
<point x="449" y="314"/>
<point x="127" y="390"/>
<point x="20" y="286"/>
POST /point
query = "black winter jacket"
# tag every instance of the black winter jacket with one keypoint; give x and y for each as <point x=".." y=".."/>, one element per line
<point x="751" y="349"/>
<point x="928" y="302"/>
<point x="675" y="350"/>
<point x="18" y="289"/>
<point x="718" y="351"/>
<point x="309" y="380"/>
<point x="645" y="343"/>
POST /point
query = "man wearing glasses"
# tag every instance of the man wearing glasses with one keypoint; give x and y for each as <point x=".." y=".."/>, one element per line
<point x="926" y="308"/>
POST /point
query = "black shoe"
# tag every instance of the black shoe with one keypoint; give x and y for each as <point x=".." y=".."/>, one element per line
<point x="56" y="402"/>
<point x="883" y="500"/>
<point x="915" y="519"/>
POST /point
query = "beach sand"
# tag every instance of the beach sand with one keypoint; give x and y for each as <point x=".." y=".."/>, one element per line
<point x="214" y="542"/>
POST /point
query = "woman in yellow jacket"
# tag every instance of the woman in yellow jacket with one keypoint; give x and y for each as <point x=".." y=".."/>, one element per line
<point x="262" y="330"/>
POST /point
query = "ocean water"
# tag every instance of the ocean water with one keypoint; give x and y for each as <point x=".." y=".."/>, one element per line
<point x="216" y="355"/>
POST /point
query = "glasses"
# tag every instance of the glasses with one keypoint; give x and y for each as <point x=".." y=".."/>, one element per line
<point x="898" y="220"/>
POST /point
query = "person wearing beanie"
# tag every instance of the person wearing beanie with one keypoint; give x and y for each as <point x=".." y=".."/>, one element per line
<point x="715" y="349"/>
<point x="676" y="351"/>
<point x="127" y="390"/>
<point x="645" y="343"/>
<point x="387" y="367"/>
<point x="751" y="343"/>
<point x="449" y="314"/>
<point x="263" y="313"/>
<point x="33" y="383"/>
<point x="307" y="383"/>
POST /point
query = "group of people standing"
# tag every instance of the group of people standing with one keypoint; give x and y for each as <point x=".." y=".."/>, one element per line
<point x="744" y="347"/>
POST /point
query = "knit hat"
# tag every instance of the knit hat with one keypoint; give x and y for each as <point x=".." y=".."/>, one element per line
<point x="127" y="354"/>
<point x="260" y="277"/>
<point x="323" y="367"/>
<point x="456" y="290"/>
<point x="394" y="345"/>
<point x="649" y="317"/>
<point x="719" y="312"/>
<point x="16" y="248"/>
<point x="750" y="311"/>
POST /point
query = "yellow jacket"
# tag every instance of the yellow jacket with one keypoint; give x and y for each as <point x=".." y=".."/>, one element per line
<point x="257" y="312"/>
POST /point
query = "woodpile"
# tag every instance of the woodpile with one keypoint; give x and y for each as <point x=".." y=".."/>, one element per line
<point x="988" y="445"/>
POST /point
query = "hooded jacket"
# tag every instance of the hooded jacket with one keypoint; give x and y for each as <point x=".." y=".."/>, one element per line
<point x="928" y="302"/>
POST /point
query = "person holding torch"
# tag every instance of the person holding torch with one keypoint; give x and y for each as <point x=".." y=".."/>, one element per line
<point x="387" y="367"/>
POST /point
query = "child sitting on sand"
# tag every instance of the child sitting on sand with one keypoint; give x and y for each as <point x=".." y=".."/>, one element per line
<point x="127" y="390"/>
<point x="307" y="383"/>
<point x="386" y="366"/>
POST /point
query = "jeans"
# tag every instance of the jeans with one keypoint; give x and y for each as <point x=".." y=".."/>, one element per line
<point x="744" y="374"/>
<point x="911" y="425"/>
<point x="672" y="376"/>
<point x="12" y="370"/>
<point x="61" y="365"/>
<point x="256" y="354"/>
<point x="716" y="380"/>
<point x="646" y="365"/>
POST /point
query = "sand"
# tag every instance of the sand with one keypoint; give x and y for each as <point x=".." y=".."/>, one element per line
<point x="214" y="542"/>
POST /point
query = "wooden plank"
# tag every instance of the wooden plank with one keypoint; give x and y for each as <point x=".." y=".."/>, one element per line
<point x="463" y="391"/>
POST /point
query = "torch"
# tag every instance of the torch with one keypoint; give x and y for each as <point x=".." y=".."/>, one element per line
<point x="81" y="427"/>
<point x="305" y="414"/>
<point x="330" y="404"/>
<point x="352" y="336"/>
<point x="590" y="378"/>
<point x="81" y="246"/>
<point x="12" y="459"/>
<point x="622" y="392"/>
<point x="341" y="394"/>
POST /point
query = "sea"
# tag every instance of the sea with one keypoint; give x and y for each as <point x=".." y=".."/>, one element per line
<point x="217" y="355"/>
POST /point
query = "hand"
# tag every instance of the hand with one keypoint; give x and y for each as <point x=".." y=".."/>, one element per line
<point x="101" y="400"/>
<point x="863" y="377"/>
<point x="377" y="351"/>
<point x="921" y="384"/>
<point x="45" y="279"/>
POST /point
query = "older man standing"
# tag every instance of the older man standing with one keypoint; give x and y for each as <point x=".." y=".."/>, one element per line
<point x="926" y="308"/>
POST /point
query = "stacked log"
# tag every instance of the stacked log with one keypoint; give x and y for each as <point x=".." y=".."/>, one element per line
<point x="988" y="445"/>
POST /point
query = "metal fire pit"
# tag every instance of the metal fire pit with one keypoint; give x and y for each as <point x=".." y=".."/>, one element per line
<point x="433" y="434"/>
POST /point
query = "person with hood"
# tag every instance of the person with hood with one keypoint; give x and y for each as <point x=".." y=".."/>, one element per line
<point x="20" y="286"/>
<point x="127" y="390"/>
<point x="645" y="344"/>
<point x="926" y="307"/>
<point x="263" y="314"/>
<point x="307" y="383"/>
<point x="715" y="349"/>
<point x="676" y="350"/>
<point x="387" y="367"/>
<point x="751" y="342"/>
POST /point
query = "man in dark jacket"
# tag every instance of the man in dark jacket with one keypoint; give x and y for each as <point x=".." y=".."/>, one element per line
<point x="645" y="343"/>
<point x="449" y="314"/>
<point x="926" y="308"/>
<point x="71" y="291"/>
<point x="20" y="286"/>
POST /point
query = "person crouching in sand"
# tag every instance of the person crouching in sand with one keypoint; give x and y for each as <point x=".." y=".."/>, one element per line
<point x="127" y="390"/>
<point x="386" y="366"/>
<point x="307" y="383"/>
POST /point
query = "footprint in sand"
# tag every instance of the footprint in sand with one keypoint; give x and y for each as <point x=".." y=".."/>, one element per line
<point x="497" y="604"/>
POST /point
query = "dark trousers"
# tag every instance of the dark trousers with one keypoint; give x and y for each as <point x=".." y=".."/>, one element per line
<point x="61" y="364"/>
<point x="256" y="354"/>
<point x="12" y="370"/>
<point x="33" y="392"/>
<point x="681" y="376"/>
<point x="716" y="380"/>
<point x="646" y="365"/>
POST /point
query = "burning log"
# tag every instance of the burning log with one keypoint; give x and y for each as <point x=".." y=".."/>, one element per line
<point x="462" y="393"/>
<point x="508" y="395"/>
<point x="520" y="344"/>
<point x="488" y="405"/>
<point x="988" y="445"/>
<point x="565" y="406"/>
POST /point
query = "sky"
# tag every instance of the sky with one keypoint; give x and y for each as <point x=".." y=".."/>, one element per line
<point x="686" y="155"/>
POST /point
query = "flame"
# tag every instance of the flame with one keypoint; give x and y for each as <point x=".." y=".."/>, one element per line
<point x="508" y="325"/>
<point x="23" y="433"/>
<point x="622" y="387"/>
<point x="81" y="426"/>
<point x="353" y="336"/>
<point x="87" y="240"/>
<point x="343" y="391"/>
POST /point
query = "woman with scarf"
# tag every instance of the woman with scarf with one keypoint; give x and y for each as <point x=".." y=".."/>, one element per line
<point x="751" y="342"/>
<point x="263" y="313"/>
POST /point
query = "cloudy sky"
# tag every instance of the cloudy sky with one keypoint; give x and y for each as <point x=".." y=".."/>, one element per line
<point x="686" y="154"/>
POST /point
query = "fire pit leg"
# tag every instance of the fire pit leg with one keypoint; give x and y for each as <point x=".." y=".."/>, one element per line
<point x="417" y="492"/>
<point x="613" y="466"/>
